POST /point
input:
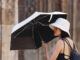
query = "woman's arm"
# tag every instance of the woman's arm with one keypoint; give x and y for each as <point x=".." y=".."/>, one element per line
<point x="55" y="52"/>
<point x="44" y="45"/>
<point x="47" y="54"/>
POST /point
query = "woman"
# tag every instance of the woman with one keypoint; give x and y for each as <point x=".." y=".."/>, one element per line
<point x="61" y="51"/>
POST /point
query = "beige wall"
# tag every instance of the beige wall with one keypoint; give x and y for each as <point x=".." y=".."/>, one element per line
<point x="0" y="31"/>
<point x="8" y="21"/>
<point x="9" y="17"/>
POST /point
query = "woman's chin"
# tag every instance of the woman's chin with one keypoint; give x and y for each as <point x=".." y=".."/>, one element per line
<point x="55" y="35"/>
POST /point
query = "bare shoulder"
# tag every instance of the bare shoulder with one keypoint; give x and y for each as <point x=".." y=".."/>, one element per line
<point x="60" y="43"/>
<point x="70" y="41"/>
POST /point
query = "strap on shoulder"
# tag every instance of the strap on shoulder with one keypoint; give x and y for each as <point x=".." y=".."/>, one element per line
<point x="64" y="46"/>
<point x="64" y="50"/>
<point x="68" y="43"/>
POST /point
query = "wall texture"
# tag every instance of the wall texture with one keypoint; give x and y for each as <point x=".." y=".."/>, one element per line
<point x="0" y="30"/>
<point x="14" y="11"/>
<point x="7" y="21"/>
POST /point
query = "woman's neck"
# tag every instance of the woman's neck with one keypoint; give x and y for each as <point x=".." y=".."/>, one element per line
<point x="65" y="37"/>
<point x="60" y="37"/>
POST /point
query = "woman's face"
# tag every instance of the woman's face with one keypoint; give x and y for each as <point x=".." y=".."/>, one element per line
<point x="57" y="31"/>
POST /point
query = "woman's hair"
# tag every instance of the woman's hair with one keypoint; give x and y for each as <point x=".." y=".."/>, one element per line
<point x="64" y="34"/>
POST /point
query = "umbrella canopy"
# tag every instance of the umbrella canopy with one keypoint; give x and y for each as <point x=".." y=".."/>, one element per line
<point x="29" y="33"/>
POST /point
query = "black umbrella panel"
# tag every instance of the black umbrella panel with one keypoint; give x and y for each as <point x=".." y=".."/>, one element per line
<point x="29" y="33"/>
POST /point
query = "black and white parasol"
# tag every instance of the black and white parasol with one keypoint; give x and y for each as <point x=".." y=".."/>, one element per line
<point x="29" y="33"/>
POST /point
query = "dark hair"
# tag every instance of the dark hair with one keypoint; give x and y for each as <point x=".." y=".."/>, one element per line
<point x="64" y="34"/>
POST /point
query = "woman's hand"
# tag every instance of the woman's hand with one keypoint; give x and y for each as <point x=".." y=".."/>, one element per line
<point x="44" y="45"/>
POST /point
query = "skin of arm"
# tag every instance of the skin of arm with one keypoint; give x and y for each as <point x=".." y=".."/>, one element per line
<point x="56" y="51"/>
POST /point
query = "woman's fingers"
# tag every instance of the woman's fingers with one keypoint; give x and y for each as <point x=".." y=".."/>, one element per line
<point x="44" y="44"/>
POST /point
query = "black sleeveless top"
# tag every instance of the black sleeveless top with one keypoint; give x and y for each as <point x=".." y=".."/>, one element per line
<point x="62" y="55"/>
